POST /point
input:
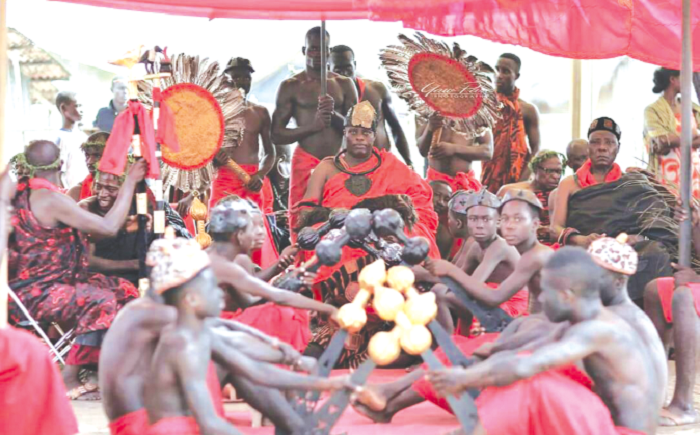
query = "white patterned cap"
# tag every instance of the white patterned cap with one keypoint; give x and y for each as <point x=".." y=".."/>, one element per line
<point x="174" y="262"/>
<point x="614" y="254"/>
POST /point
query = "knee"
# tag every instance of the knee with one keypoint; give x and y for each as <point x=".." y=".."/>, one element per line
<point x="682" y="298"/>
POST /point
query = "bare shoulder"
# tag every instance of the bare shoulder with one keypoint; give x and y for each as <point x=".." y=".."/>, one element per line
<point x="537" y="257"/>
<point x="173" y="341"/>
<point x="87" y="202"/>
<point x="260" y="110"/>
<point x="377" y="86"/>
<point x="498" y="246"/>
<point x="528" y="109"/>
<point x="326" y="167"/>
<point x="567" y="185"/>
<point x="245" y="262"/>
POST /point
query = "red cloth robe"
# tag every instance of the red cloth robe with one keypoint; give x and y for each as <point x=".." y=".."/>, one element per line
<point x="136" y="423"/>
<point x="461" y="181"/>
<point x="32" y="396"/>
<point x="510" y="148"/>
<point x="666" y="287"/>
<point x="393" y="177"/>
<point x="302" y="165"/>
<point x="86" y="188"/>
<point x="175" y="426"/>
<point x="227" y="183"/>
<point x="61" y="291"/>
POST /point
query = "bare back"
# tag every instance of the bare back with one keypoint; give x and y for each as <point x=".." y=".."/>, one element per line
<point x="623" y="374"/>
<point x="642" y="325"/>
<point x="127" y="352"/>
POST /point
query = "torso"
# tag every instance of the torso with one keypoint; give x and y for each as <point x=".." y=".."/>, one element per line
<point x="248" y="151"/>
<point x="304" y="99"/>
<point x="126" y="356"/>
<point x="504" y="268"/>
<point x="164" y="393"/>
<point x="453" y="164"/>
<point x="621" y="373"/>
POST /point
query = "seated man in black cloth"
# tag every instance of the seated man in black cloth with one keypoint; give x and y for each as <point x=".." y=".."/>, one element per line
<point x="600" y="200"/>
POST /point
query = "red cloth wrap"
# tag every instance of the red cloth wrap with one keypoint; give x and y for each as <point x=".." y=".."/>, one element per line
<point x="586" y="179"/>
<point x="86" y="188"/>
<point x="113" y="160"/>
<point x="227" y="183"/>
<point x="510" y="147"/>
<point x="290" y="325"/>
<point x="133" y="423"/>
<point x="361" y="85"/>
<point x="461" y="181"/>
<point x="302" y="165"/>
<point x="166" y="134"/>
<point x="545" y="404"/>
<point x="392" y="178"/>
<point x="666" y="287"/>
<point x="82" y="355"/>
<point x="175" y="426"/>
<point x="32" y="396"/>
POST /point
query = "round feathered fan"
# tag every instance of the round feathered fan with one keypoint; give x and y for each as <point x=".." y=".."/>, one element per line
<point x="204" y="107"/>
<point x="432" y="78"/>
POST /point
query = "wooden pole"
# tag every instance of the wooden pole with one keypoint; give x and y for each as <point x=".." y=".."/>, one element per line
<point x="324" y="60"/>
<point x="3" y="89"/>
<point x="576" y="99"/>
<point x="686" y="134"/>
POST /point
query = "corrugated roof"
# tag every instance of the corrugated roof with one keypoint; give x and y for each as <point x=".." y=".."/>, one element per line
<point x="35" y="63"/>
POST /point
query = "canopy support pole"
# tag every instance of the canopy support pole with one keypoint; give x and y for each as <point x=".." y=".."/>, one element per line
<point x="324" y="60"/>
<point x="576" y="99"/>
<point x="685" y="238"/>
<point x="3" y="97"/>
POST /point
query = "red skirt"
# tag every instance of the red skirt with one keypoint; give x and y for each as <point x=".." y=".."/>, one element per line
<point x="175" y="426"/>
<point x="548" y="403"/>
<point x="666" y="287"/>
<point x="133" y="423"/>
<point x="290" y="325"/>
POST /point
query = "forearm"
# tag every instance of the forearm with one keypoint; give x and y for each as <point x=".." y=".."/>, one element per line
<point x="424" y="142"/>
<point x="476" y="289"/>
<point x="267" y="164"/>
<point x="296" y="300"/>
<point x="337" y="121"/>
<point x="402" y="145"/>
<point x="269" y="273"/>
<point x="241" y="327"/>
<point x="696" y="240"/>
<point x="100" y="264"/>
<point x="287" y="136"/>
<point x="474" y="152"/>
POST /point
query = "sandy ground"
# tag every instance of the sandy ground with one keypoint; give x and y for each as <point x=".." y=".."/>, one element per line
<point x="93" y="421"/>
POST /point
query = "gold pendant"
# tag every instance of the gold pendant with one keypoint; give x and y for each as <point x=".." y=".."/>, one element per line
<point x="358" y="185"/>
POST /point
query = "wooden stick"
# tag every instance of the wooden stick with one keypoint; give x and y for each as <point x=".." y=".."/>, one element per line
<point x="684" y="238"/>
<point x="3" y="88"/>
<point x="324" y="67"/>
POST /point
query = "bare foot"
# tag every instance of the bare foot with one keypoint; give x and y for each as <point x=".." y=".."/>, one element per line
<point x="377" y="417"/>
<point x="674" y="416"/>
<point x="371" y="397"/>
<point x="71" y="378"/>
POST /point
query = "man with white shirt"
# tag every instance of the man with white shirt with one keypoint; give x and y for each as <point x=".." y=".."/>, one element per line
<point x="74" y="169"/>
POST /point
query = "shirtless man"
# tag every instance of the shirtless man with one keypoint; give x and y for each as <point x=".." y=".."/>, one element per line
<point x="234" y="225"/>
<point x="451" y="158"/>
<point x="489" y="260"/>
<point x="254" y="124"/>
<point x="176" y="394"/>
<point x="441" y="197"/>
<point x="343" y="63"/>
<point x="519" y="221"/>
<point x="615" y="356"/>
<point x="128" y="353"/>
<point x="319" y="118"/>
<point x="93" y="149"/>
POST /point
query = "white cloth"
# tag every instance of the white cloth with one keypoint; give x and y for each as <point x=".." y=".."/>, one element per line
<point x="74" y="169"/>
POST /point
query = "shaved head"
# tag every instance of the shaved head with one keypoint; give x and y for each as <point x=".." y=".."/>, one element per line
<point x="576" y="145"/>
<point x="42" y="153"/>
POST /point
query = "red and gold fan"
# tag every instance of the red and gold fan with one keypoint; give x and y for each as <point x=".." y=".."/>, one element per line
<point x="204" y="107"/>
<point x="431" y="78"/>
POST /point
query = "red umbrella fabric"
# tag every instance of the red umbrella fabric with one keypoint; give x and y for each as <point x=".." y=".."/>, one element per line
<point x="648" y="30"/>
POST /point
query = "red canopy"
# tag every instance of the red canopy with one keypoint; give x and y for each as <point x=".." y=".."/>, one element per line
<point x="649" y="30"/>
